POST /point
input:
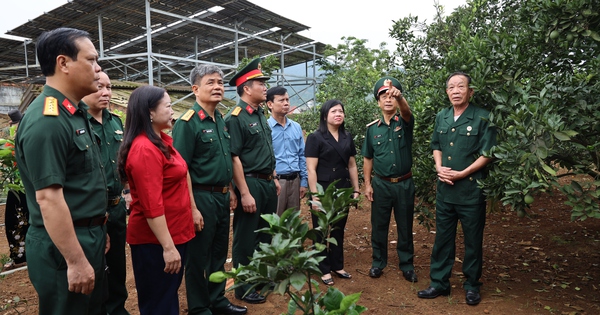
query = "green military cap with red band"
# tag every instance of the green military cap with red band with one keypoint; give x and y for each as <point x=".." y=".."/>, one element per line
<point x="382" y="85"/>
<point x="251" y="71"/>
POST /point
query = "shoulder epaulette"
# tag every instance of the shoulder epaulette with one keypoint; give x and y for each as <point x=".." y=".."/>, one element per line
<point x="373" y="122"/>
<point x="188" y="115"/>
<point x="50" y="106"/>
<point x="236" y="111"/>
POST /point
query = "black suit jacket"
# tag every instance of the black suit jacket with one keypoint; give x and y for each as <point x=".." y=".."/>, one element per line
<point x="333" y="157"/>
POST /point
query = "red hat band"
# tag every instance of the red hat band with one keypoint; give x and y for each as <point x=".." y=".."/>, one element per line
<point x="249" y="76"/>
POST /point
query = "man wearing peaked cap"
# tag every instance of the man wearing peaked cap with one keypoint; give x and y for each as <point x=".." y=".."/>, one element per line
<point x="388" y="182"/>
<point x="256" y="185"/>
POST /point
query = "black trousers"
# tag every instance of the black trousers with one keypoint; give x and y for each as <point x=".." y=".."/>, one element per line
<point x="17" y="223"/>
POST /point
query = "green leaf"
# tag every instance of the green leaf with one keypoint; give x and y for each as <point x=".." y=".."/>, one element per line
<point x="561" y="136"/>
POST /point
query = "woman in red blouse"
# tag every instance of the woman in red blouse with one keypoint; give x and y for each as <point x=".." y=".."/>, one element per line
<point x="163" y="213"/>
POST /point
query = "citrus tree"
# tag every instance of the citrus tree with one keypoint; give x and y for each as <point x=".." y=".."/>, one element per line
<point x="535" y="66"/>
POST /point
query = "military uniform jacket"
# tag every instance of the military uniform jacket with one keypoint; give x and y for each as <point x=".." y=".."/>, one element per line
<point x="389" y="146"/>
<point x="55" y="145"/>
<point x="204" y="144"/>
<point x="110" y="136"/>
<point x="462" y="142"/>
<point x="251" y="138"/>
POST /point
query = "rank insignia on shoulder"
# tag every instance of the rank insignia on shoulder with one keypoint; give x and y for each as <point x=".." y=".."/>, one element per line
<point x="236" y="111"/>
<point x="50" y="106"/>
<point x="188" y="115"/>
<point x="373" y="122"/>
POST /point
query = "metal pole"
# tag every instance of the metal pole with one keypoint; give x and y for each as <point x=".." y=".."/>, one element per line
<point x="100" y="36"/>
<point x="149" y="43"/>
<point x="196" y="48"/>
<point x="26" y="63"/>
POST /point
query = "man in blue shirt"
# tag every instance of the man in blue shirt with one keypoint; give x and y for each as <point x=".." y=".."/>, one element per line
<point x="288" y="144"/>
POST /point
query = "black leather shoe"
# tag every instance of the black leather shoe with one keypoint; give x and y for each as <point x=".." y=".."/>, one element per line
<point x="472" y="297"/>
<point x="230" y="309"/>
<point x="375" y="272"/>
<point x="252" y="298"/>
<point x="432" y="293"/>
<point x="410" y="275"/>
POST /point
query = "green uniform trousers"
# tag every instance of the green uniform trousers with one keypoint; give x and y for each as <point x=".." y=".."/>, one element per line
<point x="245" y="239"/>
<point x="472" y="220"/>
<point x="399" y="198"/>
<point x="116" y="227"/>
<point x="48" y="272"/>
<point x="207" y="253"/>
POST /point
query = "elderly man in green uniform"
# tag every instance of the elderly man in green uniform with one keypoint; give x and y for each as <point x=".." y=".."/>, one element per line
<point x="108" y="129"/>
<point x="253" y="169"/>
<point x="388" y="161"/>
<point x="59" y="162"/>
<point x="461" y="136"/>
<point x="202" y="139"/>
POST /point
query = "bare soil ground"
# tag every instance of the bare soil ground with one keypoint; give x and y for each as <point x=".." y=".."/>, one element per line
<point x="540" y="264"/>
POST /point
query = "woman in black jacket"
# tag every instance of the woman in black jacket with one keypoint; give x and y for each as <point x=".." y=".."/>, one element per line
<point x="330" y="155"/>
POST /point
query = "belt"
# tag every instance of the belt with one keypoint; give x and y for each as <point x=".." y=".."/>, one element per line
<point x="221" y="189"/>
<point x="291" y="176"/>
<point x="396" y="179"/>
<point x="114" y="201"/>
<point x="89" y="222"/>
<point x="261" y="176"/>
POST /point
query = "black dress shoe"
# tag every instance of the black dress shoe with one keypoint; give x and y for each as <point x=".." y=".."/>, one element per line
<point x="432" y="293"/>
<point x="375" y="272"/>
<point x="472" y="297"/>
<point x="343" y="275"/>
<point x="252" y="298"/>
<point x="230" y="309"/>
<point x="410" y="275"/>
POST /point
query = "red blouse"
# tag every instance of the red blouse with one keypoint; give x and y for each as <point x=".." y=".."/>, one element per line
<point x="158" y="187"/>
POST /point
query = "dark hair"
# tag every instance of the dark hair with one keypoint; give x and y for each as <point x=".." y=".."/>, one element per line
<point x="459" y="73"/>
<point x="276" y="90"/>
<point x="240" y="88"/>
<point x="325" y="108"/>
<point x="141" y="101"/>
<point x="60" y="41"/>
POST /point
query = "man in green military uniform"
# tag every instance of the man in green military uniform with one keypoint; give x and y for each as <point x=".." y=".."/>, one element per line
<point x="253" y="169"/>
<point x="461" y="136"/>
<point x="59" y="162"/>
<point x="200" y="136"/>
<point x="388" y="161"/>
<point x="108" y="129"/>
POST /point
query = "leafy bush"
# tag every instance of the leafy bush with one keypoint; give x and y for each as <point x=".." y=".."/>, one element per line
<point x="287" y="264"/>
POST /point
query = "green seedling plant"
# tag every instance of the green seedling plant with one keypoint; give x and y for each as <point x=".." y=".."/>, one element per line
<point x="287" y="265"/>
